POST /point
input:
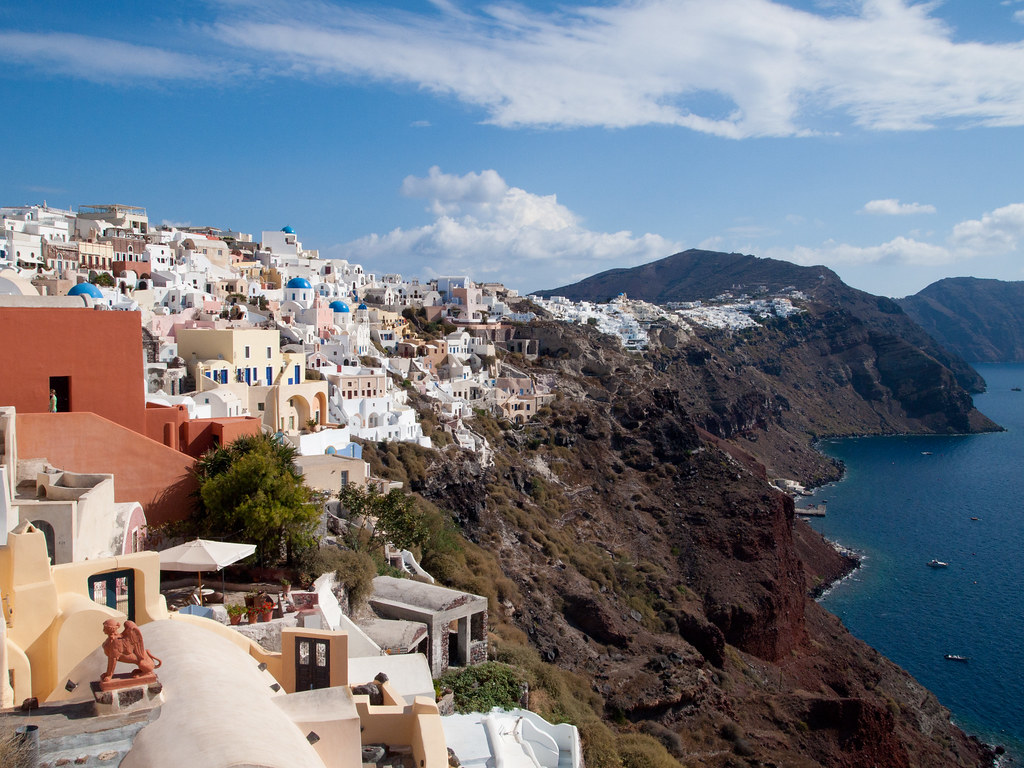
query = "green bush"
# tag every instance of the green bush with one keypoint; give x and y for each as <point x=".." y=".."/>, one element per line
<point x="483" y="687"/>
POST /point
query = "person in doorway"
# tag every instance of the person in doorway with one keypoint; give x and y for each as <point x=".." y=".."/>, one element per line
<point x="53" y="401"/>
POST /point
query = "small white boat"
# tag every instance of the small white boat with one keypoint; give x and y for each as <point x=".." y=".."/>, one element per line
<point x="956" y="657"/>
<point x="937" y="564"/>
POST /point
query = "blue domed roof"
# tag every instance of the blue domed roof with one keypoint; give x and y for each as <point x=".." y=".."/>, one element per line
<point x="362" y="306"/>
<point x="339" y="306"/>
<point x="299" y="282"/>
<point x="86" y="289"/>
<point x="288" y="230"/>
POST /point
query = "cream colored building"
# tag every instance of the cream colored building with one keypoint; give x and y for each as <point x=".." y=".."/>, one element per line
<point x="249" y="363"/>
<point x="225" y="701"/>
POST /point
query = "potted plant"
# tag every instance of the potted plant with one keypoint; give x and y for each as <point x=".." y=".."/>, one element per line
<point x="235" y="613"/>
<point x="252" y="614"/>
<point x="266" y="609"/>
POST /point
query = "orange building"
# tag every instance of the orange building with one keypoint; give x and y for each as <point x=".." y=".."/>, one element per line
<point x="91" y="358"/>
<point x="171" y="426"/>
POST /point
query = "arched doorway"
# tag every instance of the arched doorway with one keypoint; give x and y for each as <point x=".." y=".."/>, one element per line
<point x="51" y="539"/>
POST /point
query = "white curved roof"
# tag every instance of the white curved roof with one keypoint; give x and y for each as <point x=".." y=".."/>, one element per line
<point x="219" y="710"/>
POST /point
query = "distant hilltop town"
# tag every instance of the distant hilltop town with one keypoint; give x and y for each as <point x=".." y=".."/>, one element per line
<point x="318" y="350"/>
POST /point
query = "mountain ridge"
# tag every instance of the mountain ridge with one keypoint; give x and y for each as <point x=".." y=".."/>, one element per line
<point x="981" y="320"/>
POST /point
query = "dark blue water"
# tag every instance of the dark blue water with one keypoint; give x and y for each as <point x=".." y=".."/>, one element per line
<point x="900" y="508"/>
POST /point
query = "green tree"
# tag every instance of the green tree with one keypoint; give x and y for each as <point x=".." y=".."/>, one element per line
<point x="252" y="491"/>
<point x="392" y="516"/>
<point x="103" y="279"/>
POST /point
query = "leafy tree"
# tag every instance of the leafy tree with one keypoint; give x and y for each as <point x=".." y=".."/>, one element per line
<point x="252" y="491"/>
<point x="395" y="516"/>
<point x="103" y="279"/>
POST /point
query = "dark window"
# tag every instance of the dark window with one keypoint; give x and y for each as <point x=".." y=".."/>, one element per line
<point x="115" y="589"/>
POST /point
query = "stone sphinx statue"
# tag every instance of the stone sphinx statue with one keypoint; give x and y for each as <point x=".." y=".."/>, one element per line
<point x="126" y="646"/>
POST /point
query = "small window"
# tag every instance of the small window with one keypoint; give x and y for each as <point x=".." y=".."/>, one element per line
<point x="260" y="406"/>
<point x="247" y="353"/>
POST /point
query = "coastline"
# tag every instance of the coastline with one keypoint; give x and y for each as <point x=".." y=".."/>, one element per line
<point x="854" y="561"/>
<point x="1001" y="754"/>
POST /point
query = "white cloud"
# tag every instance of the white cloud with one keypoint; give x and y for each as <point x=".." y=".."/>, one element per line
<point x="904" y="250"/>
<point x="492" y="231"/>
<point x="995" y="235"/>
<point x="998" y="232"/>
<point x="104" y="60"/>
<point x="769" y="69"/>
<point x="734" y="68"/>
<point x="892" y="207"/>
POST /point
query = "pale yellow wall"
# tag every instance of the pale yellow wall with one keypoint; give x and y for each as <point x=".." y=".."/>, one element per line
<point x="280" y="414"/>
<point x="429" y="747"/>
<point x="228" y="344"/>
<point x="53" y="622"/>
<point x="396" y="722"/>
<point x="338" y="654"/>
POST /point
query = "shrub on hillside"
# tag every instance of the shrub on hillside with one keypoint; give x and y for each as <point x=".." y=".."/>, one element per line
<point x="483" y="687"/>
<point x="638" y="750"/>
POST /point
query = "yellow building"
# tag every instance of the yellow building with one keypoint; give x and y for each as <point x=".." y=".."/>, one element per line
<point x="223" y="700"/>
<point x="249" y="362"/>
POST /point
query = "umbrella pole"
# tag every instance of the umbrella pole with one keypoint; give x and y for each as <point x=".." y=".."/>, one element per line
<point x="200" y="575"/>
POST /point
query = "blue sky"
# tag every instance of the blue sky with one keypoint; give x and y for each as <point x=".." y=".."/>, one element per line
<point x="537" y="143"/>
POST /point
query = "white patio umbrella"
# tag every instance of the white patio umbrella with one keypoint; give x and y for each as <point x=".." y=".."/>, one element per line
<point x="203" y="555"/>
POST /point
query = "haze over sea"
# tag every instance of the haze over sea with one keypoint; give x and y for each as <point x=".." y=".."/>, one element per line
<point x="907" y="500"/>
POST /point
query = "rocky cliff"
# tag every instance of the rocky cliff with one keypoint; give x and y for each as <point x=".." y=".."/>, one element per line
<point x="701" y="275"/>
<point x="979" y="320"/>
<point x="642" y="547"/>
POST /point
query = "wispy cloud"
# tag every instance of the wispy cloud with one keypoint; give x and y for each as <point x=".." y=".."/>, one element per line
<point x="105" y="60"/>
<point x="893" y="207"/>
<point x="773" y="70"/>
<point x="767" y="68"/>
<point x="491" y="230"/>
<point x="996" y="234"/>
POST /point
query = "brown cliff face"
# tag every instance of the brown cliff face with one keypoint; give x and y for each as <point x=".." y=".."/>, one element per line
<point x="651" y="556"/>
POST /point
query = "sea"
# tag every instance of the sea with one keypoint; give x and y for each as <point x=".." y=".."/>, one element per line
<point x="907" y="500"/>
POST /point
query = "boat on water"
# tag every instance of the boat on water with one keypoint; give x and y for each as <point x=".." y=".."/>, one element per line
<point x="975" y="519"/>
<point x="926" y="453"/>
<point x="1015" y="389"/>
<point x="956" y="657"/>
<point x="937" y="564"/>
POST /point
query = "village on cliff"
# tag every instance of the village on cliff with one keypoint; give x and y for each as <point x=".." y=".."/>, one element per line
<point x="131" y="351"/>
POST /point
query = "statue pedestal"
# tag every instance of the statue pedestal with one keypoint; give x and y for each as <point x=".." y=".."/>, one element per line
<point x="124" y="693"/>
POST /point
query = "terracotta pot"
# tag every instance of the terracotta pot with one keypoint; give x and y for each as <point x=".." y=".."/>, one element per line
<point x="253" y="617"/>
<point x="266" y="615"/>
<point x="235" y="619"/>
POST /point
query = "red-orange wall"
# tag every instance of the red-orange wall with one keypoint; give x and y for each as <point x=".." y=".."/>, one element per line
<point x="163" y="423"/>
<point x="200" y="435"/>
<point x="144" y="470"/>
<point x="100" y="350"/>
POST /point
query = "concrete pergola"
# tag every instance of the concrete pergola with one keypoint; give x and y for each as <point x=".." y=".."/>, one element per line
<point x="437" y="607"/>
